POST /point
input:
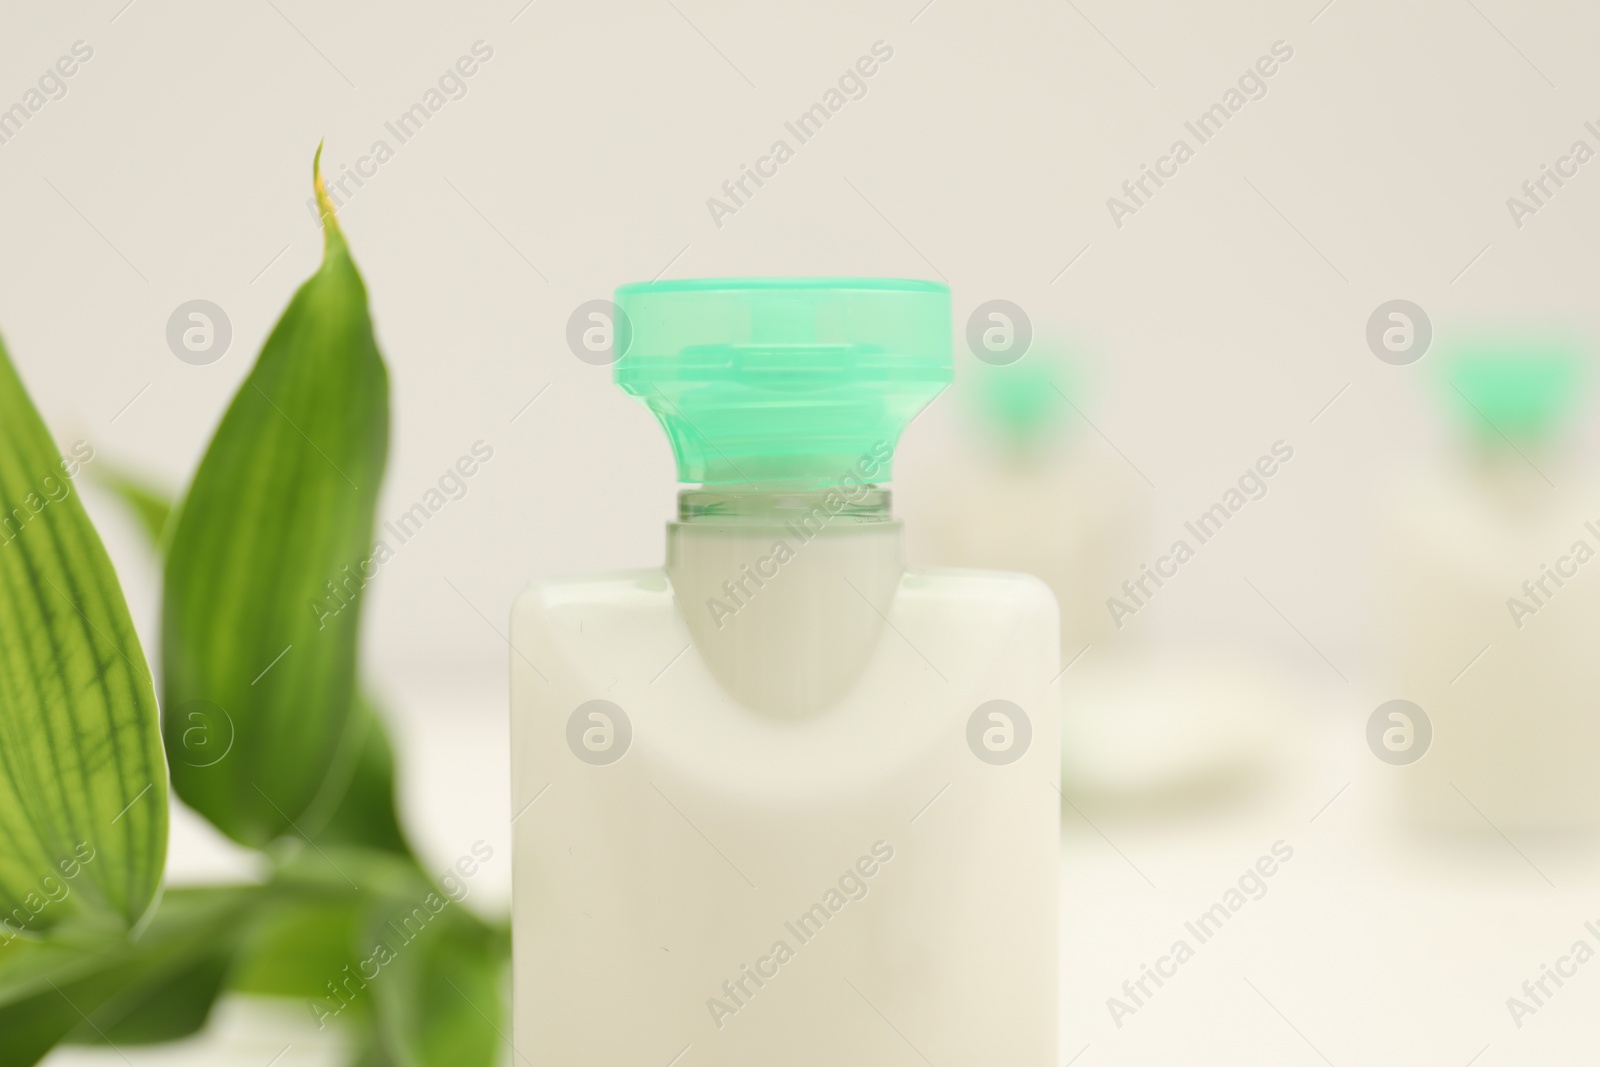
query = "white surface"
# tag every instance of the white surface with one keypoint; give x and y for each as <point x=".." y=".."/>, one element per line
<point x="243" y="1033"/>
<point x="1381" y="947"/>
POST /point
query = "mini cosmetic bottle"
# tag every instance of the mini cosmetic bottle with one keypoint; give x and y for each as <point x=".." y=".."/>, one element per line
<point x="1031" y="493"/>
<point x="1492" y="591"/>
<point x="785" y="801"/>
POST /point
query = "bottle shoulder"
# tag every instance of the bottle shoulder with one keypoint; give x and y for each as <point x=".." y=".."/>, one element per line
<point x="963" y="583"/>
<point x="605" y="587"/>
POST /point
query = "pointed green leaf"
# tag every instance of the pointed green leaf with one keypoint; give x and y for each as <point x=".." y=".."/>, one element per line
<point x="83" y="784"/>
<point x="260" y="615"/>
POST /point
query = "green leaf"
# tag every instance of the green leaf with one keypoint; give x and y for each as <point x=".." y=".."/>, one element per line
<point x="372" y="944"/>
<point x="315" y="924"/>
<point x="156" y="1005"/>
<point x="83" y="784"/>
<point x="310" y="943"/>
<point x="366" y="812"/>
<point x="157" y="987"/>
<point x="369" y="1051"/>
<point x="441" y="1000"/>
<point x="279" y="519"/>
<point x="149" y="505"/>
<point x="297" y="946"/>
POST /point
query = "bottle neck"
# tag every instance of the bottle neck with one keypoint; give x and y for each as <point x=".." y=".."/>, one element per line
<point x="810" y="509"/>
<point x="785" y="592"/>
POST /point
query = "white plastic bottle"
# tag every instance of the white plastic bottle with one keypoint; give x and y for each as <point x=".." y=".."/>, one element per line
<point x="1490" y="601"/>
<point x="785" y="801"/>
<point x="1033" y="494"/>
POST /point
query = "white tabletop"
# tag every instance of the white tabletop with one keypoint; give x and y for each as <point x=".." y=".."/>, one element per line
<point x="1371" y="945"/>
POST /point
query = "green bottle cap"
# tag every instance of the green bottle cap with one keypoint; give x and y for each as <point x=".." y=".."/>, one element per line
<point x="1517" y="390"/>
<point x="784" y="382"/>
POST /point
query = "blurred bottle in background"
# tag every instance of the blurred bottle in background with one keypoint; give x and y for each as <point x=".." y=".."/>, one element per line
<point x="1038" y="491"/>
<point x="1030" y="497"/>
<point x="1491" y="599"/>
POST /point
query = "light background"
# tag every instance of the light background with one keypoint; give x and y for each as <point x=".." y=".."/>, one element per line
<point x="1225" y="315"/>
